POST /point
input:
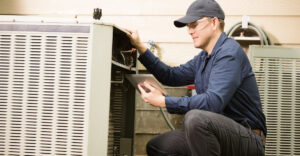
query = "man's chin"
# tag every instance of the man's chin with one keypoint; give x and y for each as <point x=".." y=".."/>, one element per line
<point x="197" y="46"/>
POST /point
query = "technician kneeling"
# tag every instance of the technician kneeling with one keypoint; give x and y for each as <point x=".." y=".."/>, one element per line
<point x="225" y="117"/>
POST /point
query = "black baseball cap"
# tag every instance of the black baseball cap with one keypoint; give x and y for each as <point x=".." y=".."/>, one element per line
<point x="199" y="9"/>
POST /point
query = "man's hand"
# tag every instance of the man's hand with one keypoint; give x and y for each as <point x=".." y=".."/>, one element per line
<point x="151" y="95"/>
<point x="135" y="40"/>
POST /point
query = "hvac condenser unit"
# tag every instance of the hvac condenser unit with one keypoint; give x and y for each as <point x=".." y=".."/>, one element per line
<point x="277" y="71"/>
<point x="62" y="89"/>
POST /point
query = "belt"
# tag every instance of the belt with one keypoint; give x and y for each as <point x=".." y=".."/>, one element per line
<point x="260" y="133"/>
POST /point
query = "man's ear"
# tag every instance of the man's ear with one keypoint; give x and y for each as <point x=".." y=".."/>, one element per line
<point x="215" y="22"/>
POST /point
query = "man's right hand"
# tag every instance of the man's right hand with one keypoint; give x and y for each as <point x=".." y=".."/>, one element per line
<point x="135" y="40"/>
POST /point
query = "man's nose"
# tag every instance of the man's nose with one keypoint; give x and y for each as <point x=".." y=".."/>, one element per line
<point x="191" y="31"/>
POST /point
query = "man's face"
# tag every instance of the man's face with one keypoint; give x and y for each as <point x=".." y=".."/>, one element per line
<point x="200" y="32"/>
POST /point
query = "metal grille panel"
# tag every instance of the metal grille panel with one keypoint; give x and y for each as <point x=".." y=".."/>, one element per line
<point x="278" y="80"/>
<point x="116" y="115"/>
<point x="43" y="87"/>
<point x="120" y="121"/>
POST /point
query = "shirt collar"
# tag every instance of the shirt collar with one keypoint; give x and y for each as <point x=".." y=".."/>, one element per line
<point x="220" y="41"/>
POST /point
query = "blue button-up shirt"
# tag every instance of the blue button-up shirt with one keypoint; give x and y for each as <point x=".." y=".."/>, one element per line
<point x="224" y="82"/>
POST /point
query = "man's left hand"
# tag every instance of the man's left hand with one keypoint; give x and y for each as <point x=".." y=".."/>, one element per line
<point x="151" y="95"/>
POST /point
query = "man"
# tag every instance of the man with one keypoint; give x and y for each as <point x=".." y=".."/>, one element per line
<point x="225" y="117"/>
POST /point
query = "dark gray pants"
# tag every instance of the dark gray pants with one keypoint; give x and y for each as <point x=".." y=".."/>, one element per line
<point x="205" y="134"/>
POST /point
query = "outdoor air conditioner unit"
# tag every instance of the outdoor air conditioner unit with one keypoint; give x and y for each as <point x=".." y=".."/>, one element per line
<point x="62" y="89"/>
<point x="277" y="71"/>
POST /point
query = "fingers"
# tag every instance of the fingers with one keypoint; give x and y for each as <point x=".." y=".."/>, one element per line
<point x="141" y="88"/>
<point x="143" y="92"/>
<point x="153" y="87"/>
<point x="149" y="86"/>
<point x="132" y="35"/>
<point x="128" y="31"/>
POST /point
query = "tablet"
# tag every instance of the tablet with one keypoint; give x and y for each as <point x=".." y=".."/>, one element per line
<point x="135" y="79"/>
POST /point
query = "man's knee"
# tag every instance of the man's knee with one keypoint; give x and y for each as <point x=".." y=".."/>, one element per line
<point x="155" y="147"/>
<point x="150" y="146"/>
<point x="196" y="118"/>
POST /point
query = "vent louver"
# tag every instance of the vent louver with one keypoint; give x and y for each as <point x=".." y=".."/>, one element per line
<point x="43" y="93"/>
<point x="277" y="71"/>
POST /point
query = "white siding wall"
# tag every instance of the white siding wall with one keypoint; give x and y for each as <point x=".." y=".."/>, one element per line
<point x="154" y="19"/>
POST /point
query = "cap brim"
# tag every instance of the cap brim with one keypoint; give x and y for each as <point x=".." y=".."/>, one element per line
<point x="181" y="22"/>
